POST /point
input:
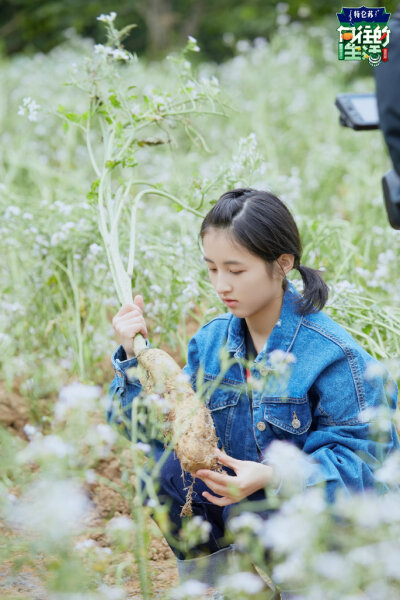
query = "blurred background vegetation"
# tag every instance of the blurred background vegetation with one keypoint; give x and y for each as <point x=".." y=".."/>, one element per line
<point x="31" y="26"/>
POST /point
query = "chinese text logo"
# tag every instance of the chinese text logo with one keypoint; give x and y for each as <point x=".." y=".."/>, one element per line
<point x="364" y="34"/>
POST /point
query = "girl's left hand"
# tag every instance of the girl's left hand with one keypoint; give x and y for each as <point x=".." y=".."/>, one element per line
<point x="250" y="477"/>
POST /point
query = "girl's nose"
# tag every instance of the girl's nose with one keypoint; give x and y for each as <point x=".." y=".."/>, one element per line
<point x="223" y="286"/>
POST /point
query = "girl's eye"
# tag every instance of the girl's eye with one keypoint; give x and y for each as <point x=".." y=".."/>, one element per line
<point x="233" y="272"/>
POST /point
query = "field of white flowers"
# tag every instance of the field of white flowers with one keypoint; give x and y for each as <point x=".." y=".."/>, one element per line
<point x="158" y="143"/>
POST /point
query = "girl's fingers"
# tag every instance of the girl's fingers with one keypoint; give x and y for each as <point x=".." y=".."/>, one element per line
<point x="220" y="478"/>
<point x="226" y="460"/>
<point x="221" y="490"/>
<point x="219" y="501"/>
<point x="132" y="314"/>
<point x="220" y="484"/>
<point x="138" y="301"/>
<point x="127" y="308"/>
<point x="127" y="326"/>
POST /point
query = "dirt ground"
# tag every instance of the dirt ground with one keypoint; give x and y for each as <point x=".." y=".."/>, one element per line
<point x="106" y="502"/>
<point x="26" y="583"/>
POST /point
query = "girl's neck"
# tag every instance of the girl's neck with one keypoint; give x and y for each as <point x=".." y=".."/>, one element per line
<point x="262" y="323"/>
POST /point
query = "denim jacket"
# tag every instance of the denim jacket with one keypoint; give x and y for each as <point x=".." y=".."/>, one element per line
<point x="316" y="407"/>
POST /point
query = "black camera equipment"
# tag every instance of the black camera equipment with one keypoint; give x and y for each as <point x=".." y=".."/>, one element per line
<point x="360" y="112"/>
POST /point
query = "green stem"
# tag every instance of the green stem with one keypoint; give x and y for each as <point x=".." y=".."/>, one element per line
<point x="77" y="316"/>
<point x="132" y="241"/>
<point x="89" y="145"/>
<point x="140" y="549"/>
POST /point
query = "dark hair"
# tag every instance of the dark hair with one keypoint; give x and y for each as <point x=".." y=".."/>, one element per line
<point x="261" y="223"/>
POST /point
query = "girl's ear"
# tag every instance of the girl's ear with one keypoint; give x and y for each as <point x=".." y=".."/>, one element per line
<point x="286" y="262"/>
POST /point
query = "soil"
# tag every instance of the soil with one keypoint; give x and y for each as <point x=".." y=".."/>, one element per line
<point x="26" y="582"/>
<point x="106" y="503"/>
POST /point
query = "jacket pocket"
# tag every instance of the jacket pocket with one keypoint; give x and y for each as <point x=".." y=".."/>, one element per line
<point x="224" y="396"/>
<point x="291" y="415"/>
<point x="222" y="404"/>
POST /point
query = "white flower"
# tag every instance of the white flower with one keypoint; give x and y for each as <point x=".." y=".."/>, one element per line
<point x="280" y="360"/>
<point x="332" y="565"/>
<point x="190" y="589"/>
<point x="116" y="53"/>
<point x="101" y="438"/>
<point x="242" y="45"/>
<point x="95" y="249"/>
<point x="291" y="466"/>
<point x="85" y="544"/>
<point x="374" y="370"/>
<point x="43" y="446"/>
<point x="193" y="46"/>
<point x="90" y="476"/>
<point x="111" y="593"/>
<point x="119" y="54"/>
<point x="107" y="18"/>
<point x="12" y="210"/>
<point x="390" y="471"/>
<point x="79" y="392"/>
<point x="282" y="19"/>
<point x="30" y="108"/>
<point x="51" y="510"/>
<point x="63" y="208"/>
<point x="289" y="569"/>
<point x="197" y="530"/>
<point x="249" y="583"/>
<point x="284" y="532"/>
<point x="246" y="520"/>
<point x="380" y="416"/>
<point x="106" y="434"/>
<point x="191" y="290"/>
<point x="142" y="447"/>
<point x="155" y="288"/>
<point x="121" y="523"/>
<point x="30" y="431"/>
<point x="75" y="396"/>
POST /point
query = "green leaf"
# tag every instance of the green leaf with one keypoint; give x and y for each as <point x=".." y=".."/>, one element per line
<point x="129" y="162"/>
<point x="111" y="164"/>
<point x="114" y="101"/>
<point x="92" y="194"/>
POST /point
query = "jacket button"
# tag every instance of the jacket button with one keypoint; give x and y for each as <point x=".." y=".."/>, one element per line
<point x="295" y="421"/>
<point x="261" y="426"/>
<point x="118" y="373"/>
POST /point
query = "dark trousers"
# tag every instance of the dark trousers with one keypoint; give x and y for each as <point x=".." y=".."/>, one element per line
<point x="172" y="492"/>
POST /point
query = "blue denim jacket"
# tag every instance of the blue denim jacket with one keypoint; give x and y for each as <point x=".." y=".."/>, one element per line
<point x="317" y="407"/>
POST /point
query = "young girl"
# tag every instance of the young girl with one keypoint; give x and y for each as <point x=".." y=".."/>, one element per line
<point x="250" y="243"/>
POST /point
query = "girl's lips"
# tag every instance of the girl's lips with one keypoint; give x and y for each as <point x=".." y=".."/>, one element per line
<point x="230" y="302"/>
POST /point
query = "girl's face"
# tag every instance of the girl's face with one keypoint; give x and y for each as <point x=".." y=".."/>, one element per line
<point x="239" y="275"/>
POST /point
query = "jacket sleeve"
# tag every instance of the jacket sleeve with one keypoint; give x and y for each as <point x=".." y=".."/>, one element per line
<point x="192" y="365"/>
<point x="343" y="443"/>
<point x="122" y="391"/>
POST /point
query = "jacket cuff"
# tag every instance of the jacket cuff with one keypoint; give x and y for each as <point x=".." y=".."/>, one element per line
<point x="121" y="364"/>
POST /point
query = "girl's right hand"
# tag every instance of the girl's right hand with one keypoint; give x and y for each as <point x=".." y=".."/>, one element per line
<point x="128" y="322"/>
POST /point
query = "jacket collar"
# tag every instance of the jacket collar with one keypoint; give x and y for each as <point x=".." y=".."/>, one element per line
<point x="283" y="334"/>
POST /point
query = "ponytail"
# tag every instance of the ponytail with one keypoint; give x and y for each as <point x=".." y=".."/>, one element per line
<point x="315" y="292"/>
